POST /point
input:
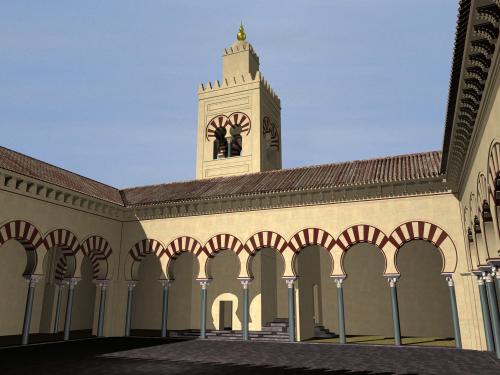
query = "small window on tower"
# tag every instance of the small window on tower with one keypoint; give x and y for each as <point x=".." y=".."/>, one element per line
<point x="220" y="144"/>
<point x="236" y="141"/>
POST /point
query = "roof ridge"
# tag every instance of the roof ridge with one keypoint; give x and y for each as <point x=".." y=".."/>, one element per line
<point x="285" y="169"/>
<point x="60" y="168"/>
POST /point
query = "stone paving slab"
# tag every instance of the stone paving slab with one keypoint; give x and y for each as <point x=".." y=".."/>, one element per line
<point x="359" y="359"/>
<point x="159" y="356"/>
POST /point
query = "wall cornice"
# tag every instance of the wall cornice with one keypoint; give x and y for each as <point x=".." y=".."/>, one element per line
<point x="478" y="69"/>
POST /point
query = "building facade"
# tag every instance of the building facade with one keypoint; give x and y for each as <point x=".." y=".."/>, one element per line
<point x="398" y="246"/>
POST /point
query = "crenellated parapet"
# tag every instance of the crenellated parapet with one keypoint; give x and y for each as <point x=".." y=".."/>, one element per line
<point x="242" y="79"/>
<point x="240" y="47"/>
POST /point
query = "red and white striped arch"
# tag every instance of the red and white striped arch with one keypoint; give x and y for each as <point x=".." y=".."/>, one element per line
<point x="417" y="230"/>
<point x="219" y="121"/>
<point x="28" y="236"/>
<point x="240" y="119"/>
<point x="493" y="167"/>
<point x="98" y="250"/>
<point x="265" y="239"/>
<point x="145" y="247"/>
<point x="234" y="120"/>
<point x="222" y="242"/>
<point x="361" y="233"/>
<point x="63" y="239"/>
<point x="69" y="245"/>
<point x="421" y="230"/>
<point x="184" y="243"/>
<point x="139" y="251"/>
<point x="311" y="237"/>
<point x="24" y="232"/>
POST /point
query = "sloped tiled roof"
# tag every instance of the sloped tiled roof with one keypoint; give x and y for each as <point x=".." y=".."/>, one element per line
<point x="360" y="172"/>
<point x="30" y="167"/>
<point x="389" y="169"/>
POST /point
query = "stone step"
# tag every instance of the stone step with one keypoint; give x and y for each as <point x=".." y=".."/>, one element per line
<point x="276" y="324"/>
<point x="274" y="329"/>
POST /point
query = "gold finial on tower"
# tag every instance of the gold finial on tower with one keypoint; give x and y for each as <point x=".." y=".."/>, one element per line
<point x="241" y="34"/>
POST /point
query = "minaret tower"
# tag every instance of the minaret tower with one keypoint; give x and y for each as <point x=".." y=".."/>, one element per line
<point x="239" y="118"/>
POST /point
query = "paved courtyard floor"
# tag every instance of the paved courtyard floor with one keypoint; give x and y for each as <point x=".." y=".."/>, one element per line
<point x="157" y="356"/>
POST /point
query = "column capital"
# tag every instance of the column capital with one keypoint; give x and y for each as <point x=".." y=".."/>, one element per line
<point x="102" y="283"/>
<point x="392" y="279"/>
<point x="289" y="281"/>
<point x="32" y="280"/>
<point x="204" y="283"/>
<point x="165" y="282"/>
<point x="71" y="282"/>
<point x="339" y="280"/>
<point x="131" y="284"/>
<point x="488" y="277"/>
<point x="449" y="280"/>
<point x="245" y="282"/>
<point x="480" y="280"/>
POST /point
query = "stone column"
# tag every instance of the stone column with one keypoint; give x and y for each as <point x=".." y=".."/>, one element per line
<point x="31" y="280"/>
<point x="495" y="271"/>
<point x="495" y="318"/>
<point x="340" y="305"/>
<point x="69" y="306"/>
<point x="128" y="317"/>
<point x="395" y="309"/>
<point x="203" y="308"/>
<point x="164" y="307"/>
<point x="454" y="312"/>
<point x="291" y="307"/>
<point x="103" y="284"/>
<point x="60" y="288"/>
<point x="488" y="333"/>
<point x="246" y="307"/>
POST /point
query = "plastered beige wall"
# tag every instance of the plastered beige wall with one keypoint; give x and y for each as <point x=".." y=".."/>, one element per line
<point x="47" y="217"/>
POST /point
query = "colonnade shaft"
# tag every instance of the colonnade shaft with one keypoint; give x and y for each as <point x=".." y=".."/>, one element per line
<point x="69" y="306"/>
<point x="60" y="288"/>
<point x="454" y="312"/>
<point x="103" y="284"/>
<point x="203" y="308"/>
<point x="340" y="306"/>
<point x="486" y="314"/>
<point x="395" y="310"/>
<point x="245" y="283"/>
<point x="291" y="308"/>
<point x="164" y="307"/>
<point x="128" y="317"/>
<point x="32" y="280"/>
<point x="493" y="307"/>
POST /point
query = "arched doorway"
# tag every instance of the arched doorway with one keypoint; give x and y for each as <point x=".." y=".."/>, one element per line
<point x="423" y="296"/>
<point x="147" y="299"/>
<point x="366" y="294"/>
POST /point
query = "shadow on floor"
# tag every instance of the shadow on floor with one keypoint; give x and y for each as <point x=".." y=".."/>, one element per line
<point x="36" y="338"/>
<point x="85" y="357"/>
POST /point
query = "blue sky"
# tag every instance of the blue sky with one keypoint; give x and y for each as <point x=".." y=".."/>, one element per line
<point x="107" y="89"/>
